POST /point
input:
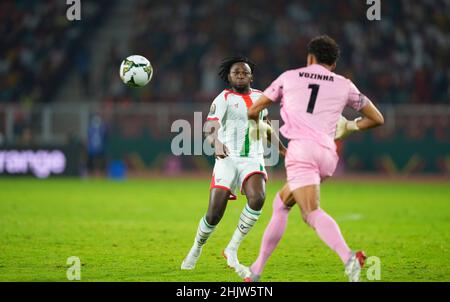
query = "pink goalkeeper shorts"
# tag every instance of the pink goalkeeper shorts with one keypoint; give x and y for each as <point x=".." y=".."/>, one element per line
<point x="308" y="163"/>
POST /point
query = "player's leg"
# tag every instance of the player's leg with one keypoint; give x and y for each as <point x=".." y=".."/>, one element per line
<point x="254" y="189"/>
<point x="307" y="163"/>
<point x="218" y="200"/>
<point x="308" y="199"/>
<point x="282" y="204"/>
<point x="221" y="189"/>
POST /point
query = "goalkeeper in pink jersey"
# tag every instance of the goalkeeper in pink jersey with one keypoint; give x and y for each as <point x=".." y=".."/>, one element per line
<point x="312" y="100"/>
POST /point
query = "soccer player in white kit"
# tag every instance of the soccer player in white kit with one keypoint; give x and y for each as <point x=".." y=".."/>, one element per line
<point x="312" y="100"/>
<point x="239" y="159"/>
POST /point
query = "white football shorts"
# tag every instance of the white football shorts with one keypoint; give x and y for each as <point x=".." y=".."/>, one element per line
<point x="231" y="173"/>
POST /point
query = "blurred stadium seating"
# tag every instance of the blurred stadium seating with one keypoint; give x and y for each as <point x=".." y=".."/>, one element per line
<point x="402" y="59"/>
<point x="399" y="60"/>
<point x="38" y="46"/>
<point x="54" y="74"/>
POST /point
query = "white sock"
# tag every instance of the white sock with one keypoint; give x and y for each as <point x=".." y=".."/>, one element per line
<point x="203" y="232"/>
<point x="247" y="220"/>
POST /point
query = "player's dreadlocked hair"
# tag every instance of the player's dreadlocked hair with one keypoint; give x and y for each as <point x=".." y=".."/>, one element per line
<point x="325" y="49"/>
<point x="225" y="66"/>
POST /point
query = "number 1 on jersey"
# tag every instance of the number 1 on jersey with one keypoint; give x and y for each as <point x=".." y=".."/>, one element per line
<point x="312" y="99"/>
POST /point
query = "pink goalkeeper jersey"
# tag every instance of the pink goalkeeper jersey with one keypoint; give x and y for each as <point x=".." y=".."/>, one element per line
<point x="312" y="99"/>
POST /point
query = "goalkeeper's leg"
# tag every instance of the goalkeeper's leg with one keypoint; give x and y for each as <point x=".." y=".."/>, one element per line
<point x="274" y="231"/>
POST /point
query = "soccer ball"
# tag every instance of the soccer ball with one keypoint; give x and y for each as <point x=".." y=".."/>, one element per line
<point x="136" y="71"/>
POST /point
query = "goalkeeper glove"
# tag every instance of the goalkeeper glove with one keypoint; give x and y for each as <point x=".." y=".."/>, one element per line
<point x="258" y="130"/>
<point x="345" y="127"/>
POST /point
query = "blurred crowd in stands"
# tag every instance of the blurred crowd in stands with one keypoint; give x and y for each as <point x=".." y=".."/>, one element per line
<point x="39" y="46"/>
<point x="404" y="58"/>
<point x="401" y="59"/>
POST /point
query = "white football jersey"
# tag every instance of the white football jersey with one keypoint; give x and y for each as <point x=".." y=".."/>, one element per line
<point x="230" y="108"/>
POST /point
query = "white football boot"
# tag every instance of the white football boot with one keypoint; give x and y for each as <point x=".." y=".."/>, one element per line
<point x="191" y="259"/>
<point x="354" y="265"/>
<point x="231" y="257"/>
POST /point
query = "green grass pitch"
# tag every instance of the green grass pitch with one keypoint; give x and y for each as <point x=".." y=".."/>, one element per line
<point x="140" y="230"/>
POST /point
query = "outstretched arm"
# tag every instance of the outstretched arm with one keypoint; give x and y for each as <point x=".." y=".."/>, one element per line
<point x="372" y="118"/>
<point x="262" y="103"/>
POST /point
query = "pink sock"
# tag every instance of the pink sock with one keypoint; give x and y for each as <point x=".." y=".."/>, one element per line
<point x="272" y="235"/>
<point x="329" y="232"/>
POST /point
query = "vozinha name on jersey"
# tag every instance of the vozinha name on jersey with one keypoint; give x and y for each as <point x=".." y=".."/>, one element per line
<point x="316" y="76"/>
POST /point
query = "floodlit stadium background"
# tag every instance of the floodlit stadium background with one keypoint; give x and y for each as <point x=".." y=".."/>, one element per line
<point x="59" y="80"/>
<point x="56" y="74"/>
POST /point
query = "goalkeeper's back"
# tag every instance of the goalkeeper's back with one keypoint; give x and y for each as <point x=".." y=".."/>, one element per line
<point x="312" y="100"/>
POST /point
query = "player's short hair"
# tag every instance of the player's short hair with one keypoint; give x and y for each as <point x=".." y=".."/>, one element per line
<point x="325" y="49"/>
<point x="225" y="66"/>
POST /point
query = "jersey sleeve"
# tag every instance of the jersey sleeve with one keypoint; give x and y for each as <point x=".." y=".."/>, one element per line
<point x="275" y="91"/>
<point x="356" y="99"/>
<point x="218" y="109"/>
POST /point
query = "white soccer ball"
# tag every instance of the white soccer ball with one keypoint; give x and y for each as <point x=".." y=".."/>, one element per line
<point x="136" y="71"/>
